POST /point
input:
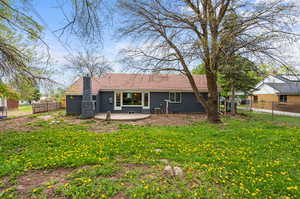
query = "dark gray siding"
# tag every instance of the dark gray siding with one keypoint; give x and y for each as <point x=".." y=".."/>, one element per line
<point x="105" y="101"/>
<point x="189" y="104"/>
<point x="74" y="104"/>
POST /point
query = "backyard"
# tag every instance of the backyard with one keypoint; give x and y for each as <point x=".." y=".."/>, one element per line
<point x="21" y="111"/>
<point x="54" y="156"/>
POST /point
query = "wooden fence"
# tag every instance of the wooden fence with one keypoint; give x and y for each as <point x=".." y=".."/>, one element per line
<point x="45" y="107"/>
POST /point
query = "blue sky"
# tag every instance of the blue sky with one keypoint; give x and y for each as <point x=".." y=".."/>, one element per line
<point x="51" y="18"/>
<point x="55" y="20"/>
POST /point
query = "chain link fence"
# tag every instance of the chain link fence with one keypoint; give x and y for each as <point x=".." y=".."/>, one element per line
<point x="291" y="108"/>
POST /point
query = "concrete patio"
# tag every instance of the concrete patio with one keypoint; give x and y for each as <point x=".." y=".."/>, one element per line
<point x="123" y="116"/>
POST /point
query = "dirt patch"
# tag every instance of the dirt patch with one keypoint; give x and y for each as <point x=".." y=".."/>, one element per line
<point x="97" y="126"/>
<point x="18" y="113"/>
<point x="17" y="124"/>
<point x="101" y="126"/>
<point x="130" y="167"/>
<point x="171" y="119"/>
<point x="23" y="123"/>
<point x="119" y="195"/>
<point x="35" y="179"/>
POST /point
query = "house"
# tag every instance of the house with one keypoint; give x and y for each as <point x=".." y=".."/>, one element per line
<point x="281" y="91"/>
<point x="138" y="93"/>
<point x="9" y="103"/>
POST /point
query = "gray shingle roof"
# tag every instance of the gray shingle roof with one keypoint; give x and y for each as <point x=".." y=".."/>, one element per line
<point x="291" y="88"/>
<point x="288" y="78"/>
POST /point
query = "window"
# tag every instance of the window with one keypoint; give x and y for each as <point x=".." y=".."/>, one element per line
<point x="255" y="98"/>
<point x="118" y="99"/>
<point x="282" y="98"/>
<point x="135" y="99"/>
<point x="175" y="97"/>
<point x="132" y="99"/>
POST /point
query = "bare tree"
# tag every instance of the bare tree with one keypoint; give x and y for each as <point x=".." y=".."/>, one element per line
<point x="15" y="56"/>
<point x="86" y="18"/>
<point x="178" y="33"/>
<point x="89" y="63"/>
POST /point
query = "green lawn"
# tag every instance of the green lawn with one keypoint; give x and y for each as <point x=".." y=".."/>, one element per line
<point x="279" y="119"/>
<point x="21" y="111"/>
<point x="25" y="108"/>
<point x="243" y="158"/>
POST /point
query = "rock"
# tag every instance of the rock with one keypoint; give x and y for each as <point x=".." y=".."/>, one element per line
<point x="178" y="171"/>
<point x="168" y="170"/>
<point x="173" y="171"/>
<point x="108" y="116"/>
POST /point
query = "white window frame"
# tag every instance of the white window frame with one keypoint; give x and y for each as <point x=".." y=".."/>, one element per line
<point x="143" y="98"/>
<point x="175" y="102"/>
<point x="115" y="100"/>
<point x="129" y="91"/>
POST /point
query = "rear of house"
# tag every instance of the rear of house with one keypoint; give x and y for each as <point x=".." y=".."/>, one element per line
<point x="139" y="93"/>
<point x="278" y="92"/>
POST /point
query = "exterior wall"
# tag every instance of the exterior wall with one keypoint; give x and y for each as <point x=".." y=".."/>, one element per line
<point x="275" y="98"/>
<point x="272" y="102"/>
<point x="293" y="98"/>
<point x="188" y="103"/>
<point x="267" y="97"/>
<point x="9" y="103"/>
<point x="105" y="102"/>
<point x="74" y="104"/>
<point x="12" y="104"/>
<point x="3" y="102"/>
<point x="265" y="101"/>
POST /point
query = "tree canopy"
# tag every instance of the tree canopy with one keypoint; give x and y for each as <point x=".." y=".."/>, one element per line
<point x="16" y="28"/>
<point x="89" y="63"/>
<point x="173" y="34"/>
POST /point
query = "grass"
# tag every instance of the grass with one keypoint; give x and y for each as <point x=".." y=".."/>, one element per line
<point x="25" y="108"/>
<point x="279" y="119"/>
<point x="243" y="158"/>
<point x="21" y="111"/>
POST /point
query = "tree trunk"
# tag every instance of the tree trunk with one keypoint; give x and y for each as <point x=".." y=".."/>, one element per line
<point x="212" y="109"/>
<point x="232" y="101"/>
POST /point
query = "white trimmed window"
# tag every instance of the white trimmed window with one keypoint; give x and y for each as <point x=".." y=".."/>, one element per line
<point x="131" y="99"/>
<point x="146" y="100"/>
<point x="175" y="97"/>
<point x="118" y="100"/>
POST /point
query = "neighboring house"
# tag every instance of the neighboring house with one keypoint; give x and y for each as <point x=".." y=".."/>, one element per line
<point x="139" y="93"/>
<point x="9" y="103"/>
<point x="281" y="90"/>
